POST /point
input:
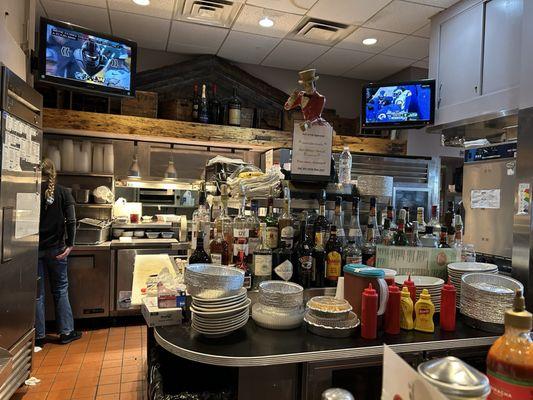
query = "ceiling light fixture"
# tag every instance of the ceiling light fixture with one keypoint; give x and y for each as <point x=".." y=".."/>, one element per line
<point x="370" y="41"/>
<point x="266" y="22"/>
<point x="142" y="2"/>
<point x="171" y="172"/>
<point x="134" y="170"/>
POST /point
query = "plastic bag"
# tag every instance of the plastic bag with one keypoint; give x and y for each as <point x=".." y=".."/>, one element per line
<point x="102" y="195"/>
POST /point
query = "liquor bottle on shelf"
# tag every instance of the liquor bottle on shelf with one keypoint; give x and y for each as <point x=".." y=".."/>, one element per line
<point x="448" y="215"/>
<point x="234" y="109"/>
<point x="262" y="213"/>
<point x="195" y="104"/>
<point x="387" y="236"/>
<point x="203" y="108"/>
<point x="333" y="258"/>
<point x="345" y="167"/>
<point x="451" y="235"/>
<point x="352" y="252"/>
<point x="253" y="226"/>
<point x="242" y="264"/>
<point x="272" y="225"/>
<point x="303" y="257"/>
<point x="321" y="226"/>
<point x="199" y="255"/>
<point x="286" y="223"/>
<point x="428" y="239"/>
<point x="369" y="248"/>
<point x="218" y="248"/>
<point x="434" y="221"/>
<point x="201" y="219"/>
<point x="443" y="242"/>
<point x="224" y="223"/>
<point x="372" y="218"/>
<point x="415" y="238"/>
<point x="390" y="216"/>
<point x="355" y="233"/>
<point x="400" y="238"/>
<point x="241" y="232"/>
<point x="215" y="107"/>
<point x="458" y="239"/>
<point x="338" y="221"/>
<point x="282" y="259"/>
<point x="408" y="223"/>
<point x="420" y="220"/>
<point x="262" y="259"/>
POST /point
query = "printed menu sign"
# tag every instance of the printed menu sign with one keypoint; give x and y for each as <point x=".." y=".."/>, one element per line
<point x="311" y="150"/>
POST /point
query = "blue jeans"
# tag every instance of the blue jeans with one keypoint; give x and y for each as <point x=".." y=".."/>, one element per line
<point x="57" y="274"/>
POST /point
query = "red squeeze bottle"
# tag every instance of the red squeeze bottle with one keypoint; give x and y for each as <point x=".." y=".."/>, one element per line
<point x="411" y="287"/>
<point x="369" y="313"/>
<point x="448" y="297"/>
<point x="392" y="312"/>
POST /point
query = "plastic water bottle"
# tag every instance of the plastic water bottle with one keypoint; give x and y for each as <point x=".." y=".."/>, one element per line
<point x="345" y="166"/>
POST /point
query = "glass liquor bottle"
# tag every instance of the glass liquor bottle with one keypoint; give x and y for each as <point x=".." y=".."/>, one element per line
<point x="195" y="104"/>
<point x="390" y="216"/>
<point x="218" y="248"/>
<point x="387" y="236"/>
<point x="262" y="259"/>
<point x="201" y="220"/>
<point x="415" y="237"/>
<point x="199" y="256"/>
<point x="333" y="258"/>
<point x="434" y="221"/>
<point x="372" y="218"/>
<point x="355" y="233"/>
<point x="241" y="232"/>
<point x="408" y="223"/>
<point x="242" y="264"/>
<point x="369" y="248"/>
<point x="420" y="220"/>
<point x="458" y="239"/>
<point x="286" y="222"/>
<point x="443" y="242"/>
<point x="448" y="216"/>
<point x="224" y="223"/>
<point x="303" y="253"/>
<point x="215" y="107"/>
<point x="203" y="109"/>
<point x="338" y="220"/>
<point x="282" y="259"/>
<point x="321" y="226"/>
<point x="271" y="225"/>
<point x="352" y="252"/>
<point x="400" y="237"/>
<point x="234" y="109"/>
<point x="253" y="226"/>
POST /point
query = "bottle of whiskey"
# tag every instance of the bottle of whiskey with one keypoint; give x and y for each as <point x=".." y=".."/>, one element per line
<point x="369" y="248"/>
<point x="303" y="254"/>
<point x="338" y="221"/>
<point x="390" y="216"/>
<point x="218" y="249"/>
<point x="272" y="225"/>
<point x="434" y="221"/>
<point x="420" y="220"/>
<point x="234" y="109"/>
<point x="241" y="232"/>
<point x="203" y="109"/>
<point x="321" y="226"/>
<point x="262" y="259"/>
<point x="333" y="258"/>
<point x="242" y="264"/>
<point x="199" y="256"/>
<point x="195" y="104"/>
<point x="224" y="223"/>
<point x="286" y="223"/>
<point x="400" y="237"/>
<point x="443" y="243"/>
<point x="215" y="107"/>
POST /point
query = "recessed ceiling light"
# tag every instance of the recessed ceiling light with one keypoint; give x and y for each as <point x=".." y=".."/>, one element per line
<point x="266" y="22"/>
<point x="370" y="41"/>
<point x="142" y="2"/>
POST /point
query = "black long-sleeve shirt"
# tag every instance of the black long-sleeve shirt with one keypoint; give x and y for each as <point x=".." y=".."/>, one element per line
<point x="57" y="227"/>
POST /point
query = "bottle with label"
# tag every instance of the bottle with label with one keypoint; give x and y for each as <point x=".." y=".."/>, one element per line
<point x="434" y="221"/>
<point x="303" y="257"/>
<point x="338" y="221"/>
<point x="241" y="233"/>
<point x="201" y="220"/>
<point x="224" y="223"/>
<point x="195" y="104"/>
<point x="203" y="109"/>
<point x="424" y="310"/>
<point x="355" y="233"/>
<point x="234" y="109"/>
<point x="286" y="222"/>
<point x="372" y="217"/>
<point x="262" y="259"/>
<point x="242" y="264"/>
<point x="369" y="248"/>
<point x="272" y="225"/>
<point x="387" y="236"/>
<point x="353" y="253"/>
<point x="443" y="242"/>
<point x="400" y="238"/>
<point x="253" y="227"/>
<point x="390" y="216"/>
<point x="215" y="115"/>
<point x="321" y="226"/>
<point x="218" y="249"/>
<point x="428" y="239"/>
<point x="510" y="358"/>
<point x="449" y="215"/>
<point x="199" y="255"/>
<point x="333" y="258"/>
<point x="458" y="238"/>
<point x="282" y="259"/>
<point x="406" y="310"/>
<point x="345" y="166"/>
<point x="420" y="220"/>
<point x="415" y="238"/>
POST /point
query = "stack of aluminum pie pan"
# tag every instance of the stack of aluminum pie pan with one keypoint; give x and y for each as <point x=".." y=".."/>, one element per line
<point x="330" y="317"/>
<point x="457" y="269"/>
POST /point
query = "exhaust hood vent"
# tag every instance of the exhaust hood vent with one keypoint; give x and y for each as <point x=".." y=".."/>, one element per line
<point x="210" y="12"/>
<point x="316" y="30"/>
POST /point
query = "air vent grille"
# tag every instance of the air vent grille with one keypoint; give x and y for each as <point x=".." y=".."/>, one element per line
<point x="316" y="30"/>
<point x="210" y="12"/>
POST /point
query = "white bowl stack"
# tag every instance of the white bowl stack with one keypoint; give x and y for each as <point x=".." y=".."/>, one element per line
<point x="432" y="284"/>
<point x="220" y="317"/>
<point x="458" y="269"/>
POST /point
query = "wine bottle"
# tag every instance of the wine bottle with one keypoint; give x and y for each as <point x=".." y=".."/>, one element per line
<point x="216" y="107"/>
<point x="195" y="104"/>
<point x="203" y="109"/>
<point x="234" y="109"/>
<point x="199" y="256"/>
<point x="262" y="264"/>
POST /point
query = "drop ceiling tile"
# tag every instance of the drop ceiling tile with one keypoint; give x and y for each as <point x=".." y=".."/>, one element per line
<point x="401" y="16"/>
<point x="89" y="17"/>
<point x="195" y="38"/>
<point x="156" y="8"/>
<point x="39" y="12"/>
<point x="247" y="48"/>
<point x="148" y="32"/>
<point x="295" y="7"/>
<point x="378" y="67"/>
<point x="94" y="3"/>
<point x="337" y="61"/>
<point x="410" y="47"/>
<point x="424" y="63"/>
<point x="425" y="31"/>
<point x="437" y="3"/>
<point x="248" y="21"/>
<point x="351" y="12"/>
<point x="290" y="54"/>
<point x="355" y="40"/>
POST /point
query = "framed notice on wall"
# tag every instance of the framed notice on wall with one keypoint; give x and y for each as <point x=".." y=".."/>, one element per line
<point x="311" y="152"/>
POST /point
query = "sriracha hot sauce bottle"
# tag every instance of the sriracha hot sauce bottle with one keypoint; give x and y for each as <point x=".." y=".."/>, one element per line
<point x="392" y="312"/>
<point x="369" y="313"/>
<point x="448" y="296"/>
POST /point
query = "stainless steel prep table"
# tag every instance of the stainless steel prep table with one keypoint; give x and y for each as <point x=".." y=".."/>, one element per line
<point x="297" y="364"/>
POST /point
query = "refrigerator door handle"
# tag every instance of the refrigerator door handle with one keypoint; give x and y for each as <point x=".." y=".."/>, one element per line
<point x="7" y="233"/>
<point x="37" y="171"/>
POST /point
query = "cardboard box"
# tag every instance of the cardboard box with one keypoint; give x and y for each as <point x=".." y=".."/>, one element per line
<point x="155" y="316"/>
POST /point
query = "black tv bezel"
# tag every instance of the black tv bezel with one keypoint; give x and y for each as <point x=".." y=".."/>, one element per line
<point x="78" y="85"/>
<point x="401" y="124"/>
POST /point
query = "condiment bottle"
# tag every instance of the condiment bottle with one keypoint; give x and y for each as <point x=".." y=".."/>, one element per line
<point x="392" y="312"/>
<point x="510" y="358"/>
<point x="406" y="310"/>
<point x="411" y="287"/>
<point x="424" y="310"/>
<point x="369" y="313"/>
<point x="448" y="296"/>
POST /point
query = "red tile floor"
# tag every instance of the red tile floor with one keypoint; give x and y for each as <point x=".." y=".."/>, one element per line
<point x="104" y="364"/>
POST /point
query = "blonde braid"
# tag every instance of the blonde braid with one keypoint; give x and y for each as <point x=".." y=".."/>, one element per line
<point x="49" y="172"/>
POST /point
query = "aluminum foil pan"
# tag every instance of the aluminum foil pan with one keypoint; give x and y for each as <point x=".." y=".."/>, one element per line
<point x="332" y="332"/>
<point x="349" y="322"/>
<point x="329" y="307"/>
<point x="485" y="297"/>
<point x="375" y="185"/>
<point x="281" y="294"/>
<point x="209" y="281"/>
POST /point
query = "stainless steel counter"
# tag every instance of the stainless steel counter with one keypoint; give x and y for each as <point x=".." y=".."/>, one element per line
<point x="172" y="244"/>
<point x="93" y="247"/>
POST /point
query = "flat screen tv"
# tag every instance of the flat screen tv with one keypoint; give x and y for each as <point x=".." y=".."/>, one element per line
<point x="72" y="56"/>
<point x="398" y="105"/>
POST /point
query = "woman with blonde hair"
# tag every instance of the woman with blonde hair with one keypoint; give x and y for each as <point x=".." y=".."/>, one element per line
<point x="57" y="230"/>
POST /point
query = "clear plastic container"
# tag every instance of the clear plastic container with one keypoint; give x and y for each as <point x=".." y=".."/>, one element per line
<point x="345" y="166"/>
<point x="277" y="318"/>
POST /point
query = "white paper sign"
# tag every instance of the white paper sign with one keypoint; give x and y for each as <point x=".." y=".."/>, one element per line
<point x="485" y="198"/>
<point x="269" y="160"/>
<point x="27" y="215"/>
<point x="311" y="150"/>
<point x="524" y="198"/>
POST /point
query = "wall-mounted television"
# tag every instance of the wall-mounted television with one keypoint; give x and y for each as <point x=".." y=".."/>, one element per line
<point x="398" y="105"/>
<point x="76" y="57"/>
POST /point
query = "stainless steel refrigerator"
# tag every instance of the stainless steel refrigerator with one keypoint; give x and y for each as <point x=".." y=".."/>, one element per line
<point x="21" y="134"/>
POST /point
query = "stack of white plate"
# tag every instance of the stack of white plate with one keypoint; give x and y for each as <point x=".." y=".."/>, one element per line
<point x="219" y="317"/>
<point x="458" y="269"/>
<point x="433" y="286"/>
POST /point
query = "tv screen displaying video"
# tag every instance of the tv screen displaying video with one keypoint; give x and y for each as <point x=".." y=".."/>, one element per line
<point x="400" y="105"/>
<point x="74" y="56"/>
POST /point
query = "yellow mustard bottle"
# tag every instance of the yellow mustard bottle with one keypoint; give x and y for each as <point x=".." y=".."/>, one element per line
<point x="424" y="310"/>
<point x="406" y="310"/>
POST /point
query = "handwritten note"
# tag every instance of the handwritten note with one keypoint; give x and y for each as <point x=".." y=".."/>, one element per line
<point x="311" y="150"/>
